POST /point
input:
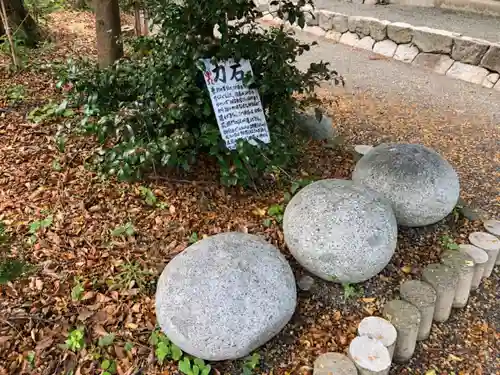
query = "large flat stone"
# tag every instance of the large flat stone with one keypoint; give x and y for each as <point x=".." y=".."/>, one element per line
<point x="400" y="32"/>
<point x="422" y="187"/>
<point x="433" y="40"/>
<point x="360" y="25"/>
<point x="385" y="47"/>
<point x="365" y="43"/>
<point x="225" y="295"/>
<point x="340" y="231"/>
<point x="491" y="59"/>
<point x="491" y="79"/>
<point x="466" y="72"/>
<point x="469" y="50"/>
<point x="378" y="29"/>
<point x="432" y="61"/>
<point x="349" y="38"/>
<point x="406" y="53"/>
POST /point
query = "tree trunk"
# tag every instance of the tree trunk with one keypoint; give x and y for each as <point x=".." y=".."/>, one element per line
<point x="21" y="22"/>
<point x="108" y="31"/>
<point x="137" y="17"/>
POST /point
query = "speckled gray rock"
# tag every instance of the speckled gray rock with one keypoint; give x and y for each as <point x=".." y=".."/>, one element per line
<point x="340" y="231"/>
<point x="225" y="296"/>
<point x="318" y="130"/>
<point x="444" y="280"/>
<point x="305" y="283"/>
<point x="406" y="319"/>
<point x="464" y="265"/>
<point x="370" y="356"/>
<point x="423" y="297"/>
<point x="422" y="187"/>
<point x="379" y="329"/>
<point x="334" y="363"/>
<point x="480" y="259"/>
<point x="490" y="244"/>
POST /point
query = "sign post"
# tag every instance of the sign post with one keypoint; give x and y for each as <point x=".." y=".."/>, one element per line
<point x="238" y="108"/>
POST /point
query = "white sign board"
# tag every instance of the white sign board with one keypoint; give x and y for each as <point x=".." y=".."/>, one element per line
<point x="238" y="109"/>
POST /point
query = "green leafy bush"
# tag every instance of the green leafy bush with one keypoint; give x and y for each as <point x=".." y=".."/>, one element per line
<point x="152" y="111"/>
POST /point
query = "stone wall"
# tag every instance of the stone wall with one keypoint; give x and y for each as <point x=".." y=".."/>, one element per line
<point x="455" y="55"/>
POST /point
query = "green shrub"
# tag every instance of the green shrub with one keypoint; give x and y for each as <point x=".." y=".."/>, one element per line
<point x="152" y="111"/>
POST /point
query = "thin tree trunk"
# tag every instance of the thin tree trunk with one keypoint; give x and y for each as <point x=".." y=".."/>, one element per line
<point x="108" y="31"/>
<point x="137" y="16"/>
<point x="5" y="22"/>
<point x="20" y="19"/>
<point x="146" y="28"/>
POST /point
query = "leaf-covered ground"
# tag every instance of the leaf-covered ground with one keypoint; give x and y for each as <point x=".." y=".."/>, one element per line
<point x="61" y="218"/>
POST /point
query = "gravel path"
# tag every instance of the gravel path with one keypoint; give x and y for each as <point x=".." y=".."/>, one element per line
<point x="470" y="24"/>
<point x="387" y="100"/>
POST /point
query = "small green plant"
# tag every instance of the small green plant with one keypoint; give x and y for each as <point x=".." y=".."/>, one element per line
<point x="132" y="273"/>
<point x="193" y="238"/>
<point x="448" y="243"/>
<point x="128" y="346"/>
<point x="124" y="230"/>
<point x="50" y="110"/>
<point x="151" y="199"/>
<point x="250" y="363"/>
<point x="56" y="165"/>
<point x="15" y="94"/>
<point x="276" y="211"/>
<point x="108" y="367"/>
<point x="351" y="291"/>
<point x="148" y="196"/>
<point x="195" y="367"/>
<point x="77" y="290"/>
<point x="30" y="357"/>
<point x="38" y="225"/>
<point x="76" y="340"/>
<point x="164" y="348"/>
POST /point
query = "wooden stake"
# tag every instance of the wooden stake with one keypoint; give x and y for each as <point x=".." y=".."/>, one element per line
<point x="5" y="22"/>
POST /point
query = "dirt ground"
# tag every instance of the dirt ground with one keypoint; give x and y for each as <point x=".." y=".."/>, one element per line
<point x="37" y="312"/>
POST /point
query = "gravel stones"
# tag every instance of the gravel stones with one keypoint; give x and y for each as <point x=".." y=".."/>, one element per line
<point x="423" y="297"/>
<point x="225" y="296"/>
<point x="406" y="319"/>
<point x="340" y="231"/>
<point x="421" y="186"/>
<point x="334" y="363"/>
<point x="443" y="279"/>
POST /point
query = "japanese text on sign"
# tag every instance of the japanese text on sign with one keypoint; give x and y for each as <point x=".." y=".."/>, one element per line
<point x="238" y="109"/>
